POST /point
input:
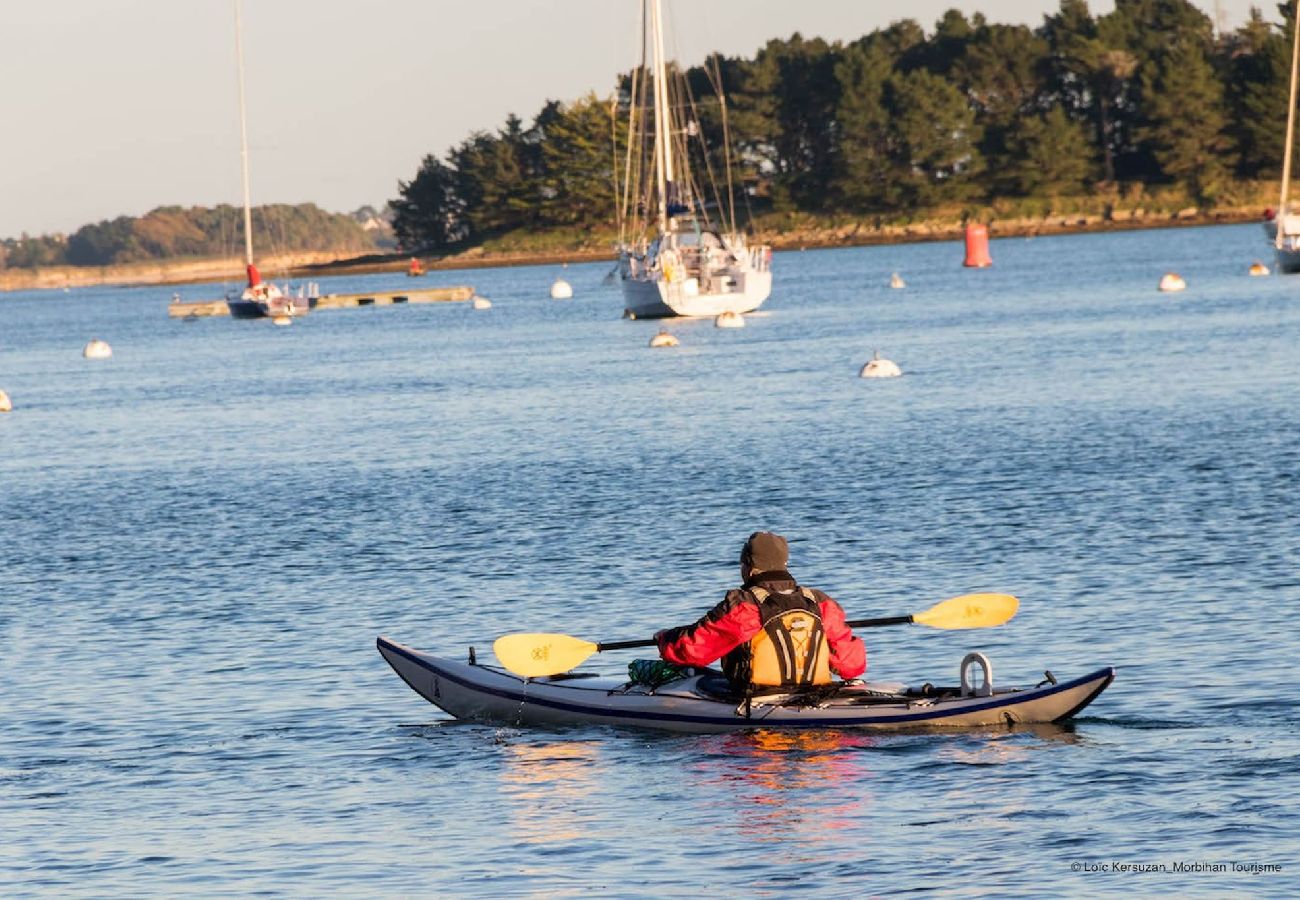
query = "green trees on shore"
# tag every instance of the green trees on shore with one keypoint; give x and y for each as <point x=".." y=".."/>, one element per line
<point x="559" y="171"/>
<point x="900" y="120"/>
<point x="171" y="232"/>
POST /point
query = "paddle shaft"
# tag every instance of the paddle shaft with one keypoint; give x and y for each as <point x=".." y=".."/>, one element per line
<point x="856" y="623"/>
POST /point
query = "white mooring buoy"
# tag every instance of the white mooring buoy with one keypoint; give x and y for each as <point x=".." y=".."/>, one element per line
<point x="6" y="405"/>
<point x="97" y="349"/>
<point x="880" y="368"/>
<point x="896" y="281"/>
<point x="482" y="302"/>
<point x="1172" y="281"/>
<point x="1258" y="268"/>
<point x="729" y="319"/>
<point x="561" y="290"/>
<point x="663" y="339"/>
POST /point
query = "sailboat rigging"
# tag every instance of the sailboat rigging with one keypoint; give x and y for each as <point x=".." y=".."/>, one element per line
<point x="260" y="298"/>
<point x="1283" y="227"/>
<point x="674" y="258"/>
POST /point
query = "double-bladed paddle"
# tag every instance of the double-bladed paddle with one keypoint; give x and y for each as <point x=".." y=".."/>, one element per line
<point x="536" y="655"/>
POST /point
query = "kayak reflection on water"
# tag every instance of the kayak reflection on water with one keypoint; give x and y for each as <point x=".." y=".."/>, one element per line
<point x="548" y="787"/>
<point x="803" y="785"/>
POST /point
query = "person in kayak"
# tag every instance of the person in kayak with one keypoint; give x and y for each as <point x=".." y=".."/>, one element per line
<point x="770" y="632"/>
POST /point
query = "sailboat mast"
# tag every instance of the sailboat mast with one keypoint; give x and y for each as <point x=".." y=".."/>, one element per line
<point x="663" y="123"/>
<point x="1290" y="126"/>
<point x="243" y="135"/>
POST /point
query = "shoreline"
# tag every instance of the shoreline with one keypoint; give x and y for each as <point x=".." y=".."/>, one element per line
<point x="852" y="233"/>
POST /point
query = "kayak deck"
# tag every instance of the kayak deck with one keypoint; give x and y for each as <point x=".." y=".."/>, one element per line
<point x="469" y="690"/>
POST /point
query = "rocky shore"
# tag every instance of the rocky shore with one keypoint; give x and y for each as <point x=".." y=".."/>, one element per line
<point x="162" y="272"/>
<point x="807" y="232"/>
<point x="789" y="232"/>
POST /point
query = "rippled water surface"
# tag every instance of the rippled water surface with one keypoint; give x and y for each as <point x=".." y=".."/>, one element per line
<point x="203" y="536"/>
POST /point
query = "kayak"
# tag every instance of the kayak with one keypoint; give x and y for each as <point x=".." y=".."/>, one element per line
<point x="704" y="702"/>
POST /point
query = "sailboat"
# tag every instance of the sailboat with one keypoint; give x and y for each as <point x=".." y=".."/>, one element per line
<point x="1283" y="226"/>
<point x="674" y="259"/>
<point x="260" y="298"/>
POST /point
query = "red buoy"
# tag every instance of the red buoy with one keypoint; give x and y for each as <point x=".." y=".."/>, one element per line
<point x="977" y="246"/>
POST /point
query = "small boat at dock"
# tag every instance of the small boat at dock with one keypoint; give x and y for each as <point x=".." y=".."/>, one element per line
<point x="260" y="299"/>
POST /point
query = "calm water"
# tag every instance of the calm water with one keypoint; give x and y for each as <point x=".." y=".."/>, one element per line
<point x="203" y="535"/>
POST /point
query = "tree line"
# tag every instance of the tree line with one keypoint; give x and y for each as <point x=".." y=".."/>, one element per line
<point x="900" y="119"/>
<point x="171" y="232"/>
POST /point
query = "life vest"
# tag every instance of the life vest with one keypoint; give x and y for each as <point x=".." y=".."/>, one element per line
<point x="790" y="650"/>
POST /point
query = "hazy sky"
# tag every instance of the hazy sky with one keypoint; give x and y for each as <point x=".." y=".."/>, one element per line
<point x="113" y="107"/>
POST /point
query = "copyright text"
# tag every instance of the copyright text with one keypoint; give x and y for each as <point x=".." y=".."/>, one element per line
<point x="1178" y="867"/>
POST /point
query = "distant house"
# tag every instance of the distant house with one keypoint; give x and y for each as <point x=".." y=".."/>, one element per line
<point x="376" y="224"/>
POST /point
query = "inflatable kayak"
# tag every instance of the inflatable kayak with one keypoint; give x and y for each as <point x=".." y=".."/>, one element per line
<point x="704" y="702"/>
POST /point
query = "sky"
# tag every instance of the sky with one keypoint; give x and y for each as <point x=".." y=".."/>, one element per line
<point x="115" y="107"/>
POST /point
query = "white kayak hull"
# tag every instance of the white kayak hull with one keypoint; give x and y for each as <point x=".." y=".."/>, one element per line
<point x="489" y="694"/>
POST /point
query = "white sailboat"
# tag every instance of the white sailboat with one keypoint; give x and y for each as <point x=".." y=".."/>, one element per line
<point x="1283" y="226"/>
<point x="675" y="259"/>
<point x="260" y="298"/>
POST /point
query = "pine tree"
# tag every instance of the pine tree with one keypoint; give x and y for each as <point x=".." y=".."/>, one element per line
<point x="786" y="108"/>
<point x="934" y="137"/>
<point x="1002" y="72"/>
<point x="427" y="215"/>
<point x="1259" y="71"/>
<point x="578" y="164"/>
<point x="1187" y="130"/>
<point x="1052" y="155"/>
<point x="863" y="157"/>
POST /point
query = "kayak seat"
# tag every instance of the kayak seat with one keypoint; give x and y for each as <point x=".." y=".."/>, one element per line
<point x="718" y="686"/>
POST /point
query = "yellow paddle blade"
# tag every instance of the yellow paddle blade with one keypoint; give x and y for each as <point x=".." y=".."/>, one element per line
<point x="969" y="611"/>
<point x="534" y="655"/>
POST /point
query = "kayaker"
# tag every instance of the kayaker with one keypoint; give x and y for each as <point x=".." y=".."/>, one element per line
<point x="769" y="632"/>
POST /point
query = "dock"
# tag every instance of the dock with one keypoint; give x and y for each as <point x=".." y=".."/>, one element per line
<point x="455" y="294"/>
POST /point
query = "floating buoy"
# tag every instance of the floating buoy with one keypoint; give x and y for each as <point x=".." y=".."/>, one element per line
<point x="6" y="405"/>
<point x="561" y="290"/>
<point x="282" y="319"/>
<point x="977" y="247"/>
<point x="729" y="319"/>
<point x="1172" y="282"/>
<point x="896" y="281"/>
<point x="1258" y="268"/>
<point x="880" y="368"/>
<point x="97" y="349"/>
<point x="663" y="339"/>
<point x="482" y="302"/>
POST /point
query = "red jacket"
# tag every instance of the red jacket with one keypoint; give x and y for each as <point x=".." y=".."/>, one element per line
<point x="734" y="621"/>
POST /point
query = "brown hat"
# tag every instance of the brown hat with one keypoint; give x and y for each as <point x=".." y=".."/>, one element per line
<point x="765" y="551"/>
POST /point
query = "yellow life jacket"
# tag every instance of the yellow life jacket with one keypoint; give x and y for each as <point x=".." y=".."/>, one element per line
<point x="790" y="650"/>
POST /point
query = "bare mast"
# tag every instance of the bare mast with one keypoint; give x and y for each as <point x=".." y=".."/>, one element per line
<point x="243" y="135"/>
<point x="663" y="122"/>
<point x="1290" y="128"/>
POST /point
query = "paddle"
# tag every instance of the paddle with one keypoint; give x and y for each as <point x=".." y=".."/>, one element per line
<point x="535" y="655"/>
